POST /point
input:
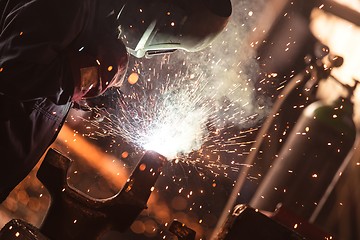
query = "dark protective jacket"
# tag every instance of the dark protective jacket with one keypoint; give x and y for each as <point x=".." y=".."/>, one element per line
<point x="36" y="82"/>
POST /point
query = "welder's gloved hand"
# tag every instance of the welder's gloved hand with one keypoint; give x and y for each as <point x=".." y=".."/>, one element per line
<point x="97" y="68"/>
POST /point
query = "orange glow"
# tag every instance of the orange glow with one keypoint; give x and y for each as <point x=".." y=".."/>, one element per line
<point x="125" y="154"/>
<point x="133" y="78"/>
<point x="142" y="167"/>
<point x="109" y="166"/>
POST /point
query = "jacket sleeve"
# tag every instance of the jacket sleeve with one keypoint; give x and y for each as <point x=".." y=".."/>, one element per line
<point x="35" y="37"/>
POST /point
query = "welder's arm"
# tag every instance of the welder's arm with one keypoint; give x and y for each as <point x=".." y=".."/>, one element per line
<point x="34" y="37"/>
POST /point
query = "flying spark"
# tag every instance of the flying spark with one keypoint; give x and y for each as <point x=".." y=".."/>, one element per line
<point x="170" y="120"/>
<point x="175" y="117"/>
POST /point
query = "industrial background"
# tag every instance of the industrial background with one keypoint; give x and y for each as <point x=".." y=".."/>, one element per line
<point x="274" y="59"/>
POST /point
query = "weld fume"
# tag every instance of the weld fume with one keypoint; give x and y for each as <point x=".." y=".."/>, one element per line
<point x="178" y="96"/>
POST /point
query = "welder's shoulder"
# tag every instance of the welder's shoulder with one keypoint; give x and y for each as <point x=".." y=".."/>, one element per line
<point x="47" y="19"/>
<point x="64" y="10"/>
<point x="67" y="11"/>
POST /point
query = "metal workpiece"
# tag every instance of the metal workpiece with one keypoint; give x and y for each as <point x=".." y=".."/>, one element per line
<point x="181" y="231"/>
<point x="20" y="230"/>
<point x="73" y="215"/>
<point x="315" y="152"/>
<point x="248" y="223"/>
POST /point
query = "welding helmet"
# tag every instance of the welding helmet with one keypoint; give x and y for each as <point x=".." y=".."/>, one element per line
<point x="152" y="27"/>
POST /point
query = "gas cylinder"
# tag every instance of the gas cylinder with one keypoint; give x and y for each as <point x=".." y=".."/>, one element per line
<point x="309" y="159"/>
<point x="299" y="93"/>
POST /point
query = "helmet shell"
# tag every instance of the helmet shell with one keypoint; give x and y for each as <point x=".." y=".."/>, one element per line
<point x="150" y="27"/>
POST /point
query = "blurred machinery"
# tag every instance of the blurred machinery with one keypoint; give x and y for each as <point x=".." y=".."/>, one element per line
<point x="309" y="168"/>
<point x="310" y="158"/>
<point x="241" y="223"/>
<point x="181" y="231"/>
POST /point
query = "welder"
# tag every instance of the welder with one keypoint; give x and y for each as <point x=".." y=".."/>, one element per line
<point x="56" y="53"/>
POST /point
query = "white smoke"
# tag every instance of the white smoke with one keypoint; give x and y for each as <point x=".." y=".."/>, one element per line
<point x="231" y="68"/>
